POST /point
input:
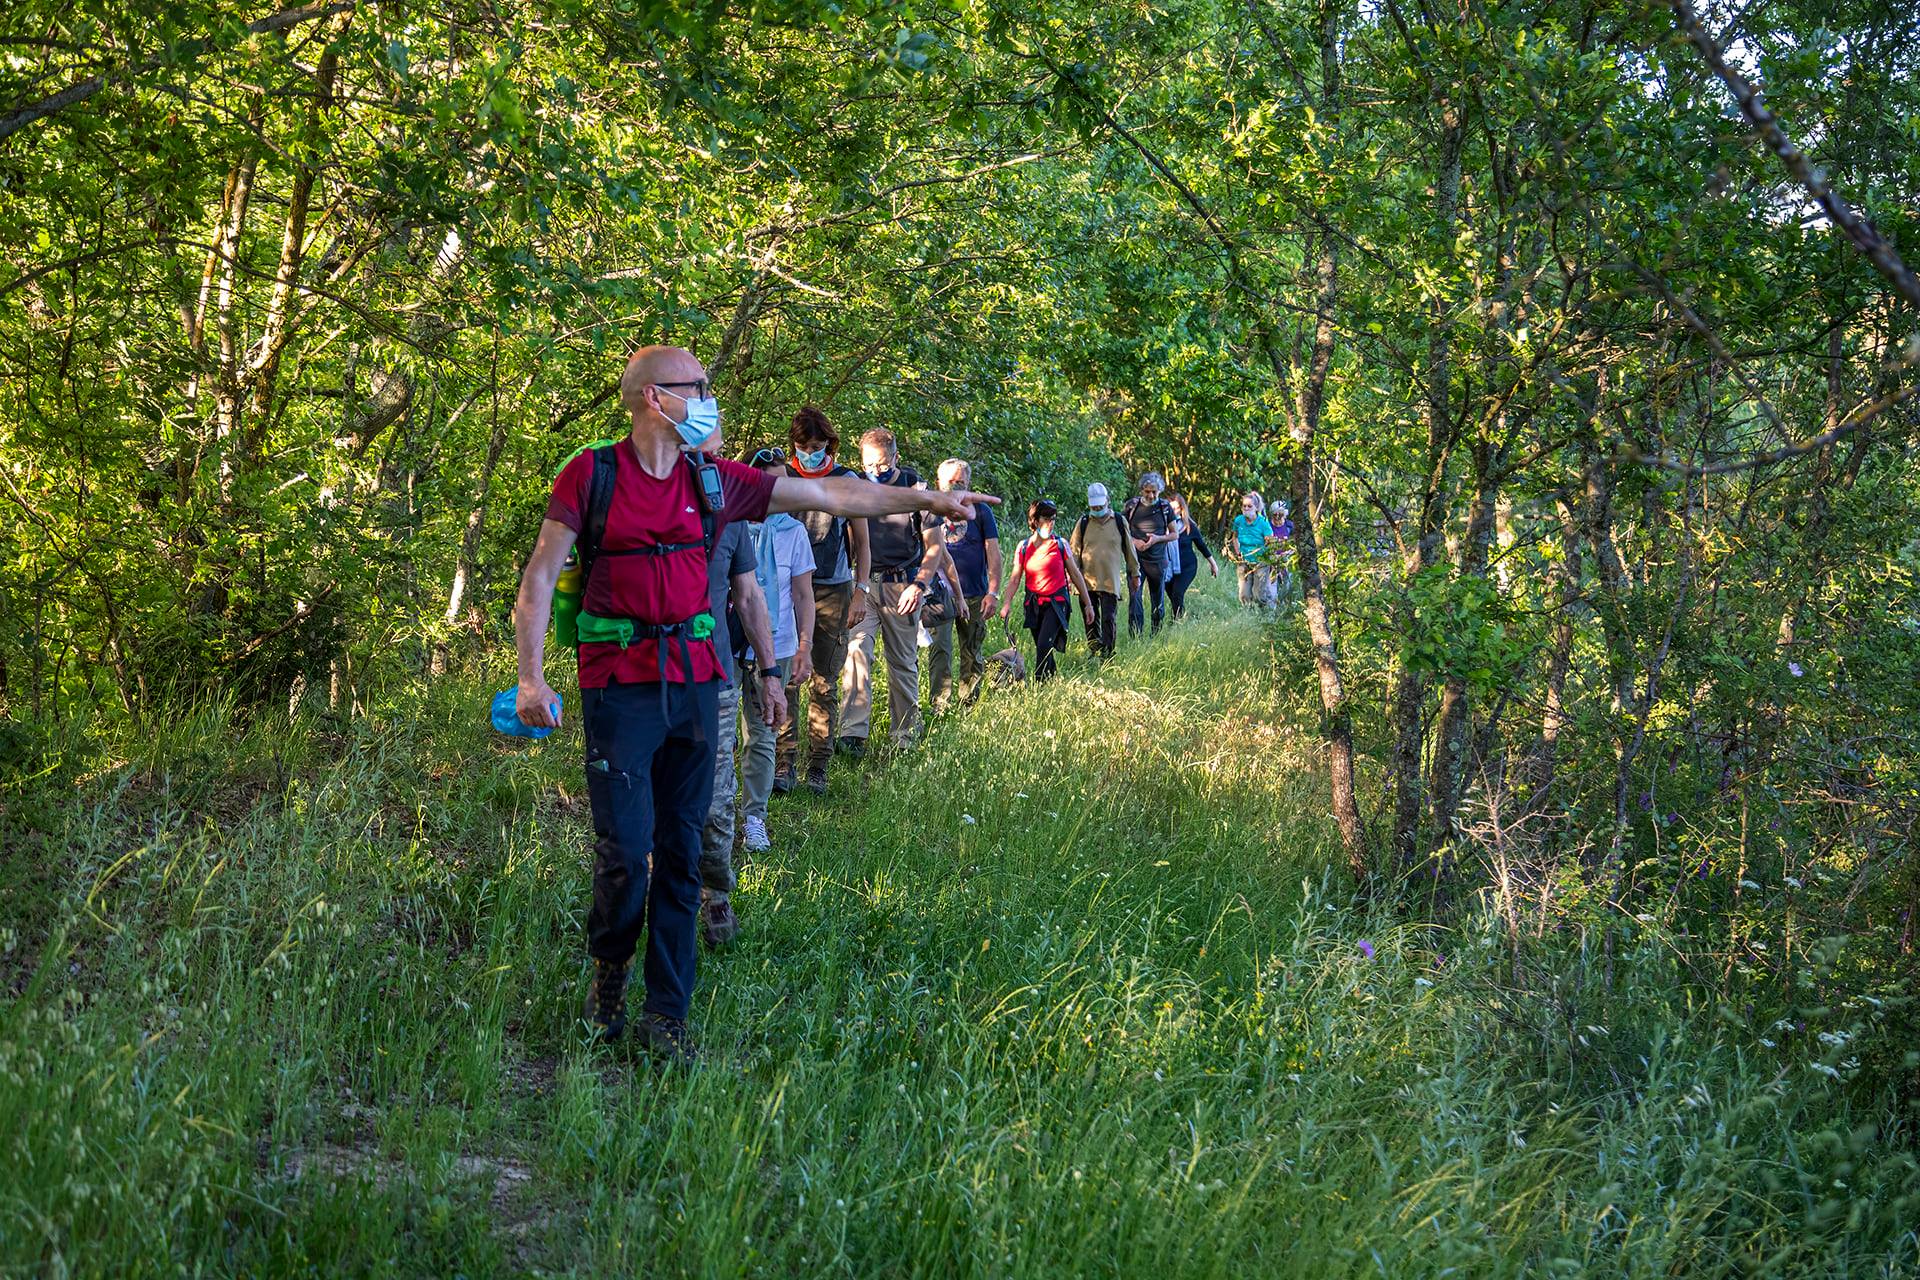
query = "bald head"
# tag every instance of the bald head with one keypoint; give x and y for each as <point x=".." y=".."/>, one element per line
<point x="655" y="366"/>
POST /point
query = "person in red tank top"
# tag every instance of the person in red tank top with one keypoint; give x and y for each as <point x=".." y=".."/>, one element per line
<point x="1045" y="565"/>
<point x="649" y="708"/>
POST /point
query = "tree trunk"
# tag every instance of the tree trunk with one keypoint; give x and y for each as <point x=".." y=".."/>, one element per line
<point x="1554" y="721"/>
<point x="1410" y="693"/>
<point x="1450" y="746"/>
<point x="1336" y="729"/>
<point x="477" y="518"/>
<point x="227" y="392"/>
<point x="1336" y="724"/>
<point x="281" y="303"/>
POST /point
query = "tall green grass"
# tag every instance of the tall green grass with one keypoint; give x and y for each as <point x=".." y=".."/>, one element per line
<point x="1072" y="990"/>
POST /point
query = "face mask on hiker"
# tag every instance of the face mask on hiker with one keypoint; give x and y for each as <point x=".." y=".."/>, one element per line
<point x="811" y="459"/>
<point x="877" y="463"/>
<point x="703" y="412"/>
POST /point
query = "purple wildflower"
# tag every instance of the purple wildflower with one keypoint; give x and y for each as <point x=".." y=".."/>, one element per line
<point x="1794" y="668"/>
<point x="1366" y="948"/>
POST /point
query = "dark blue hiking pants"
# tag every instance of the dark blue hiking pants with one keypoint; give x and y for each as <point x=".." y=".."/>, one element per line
<point x="649" y="781"/>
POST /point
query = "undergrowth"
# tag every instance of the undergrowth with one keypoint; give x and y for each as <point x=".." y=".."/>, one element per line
<point x="1072" y="990"/>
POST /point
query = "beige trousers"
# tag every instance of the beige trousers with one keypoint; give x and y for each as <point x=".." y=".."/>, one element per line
<point x="900" y="635"/>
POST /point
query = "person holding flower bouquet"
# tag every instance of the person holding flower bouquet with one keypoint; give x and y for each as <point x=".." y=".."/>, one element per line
<point x="1248" y="548"/>
<point x="1279" y="557"/>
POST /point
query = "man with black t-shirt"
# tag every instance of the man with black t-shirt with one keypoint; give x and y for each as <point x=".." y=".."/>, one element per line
<point x="975" y="551"/>
<point x="1151" y="520"/>
<point x="841" y="561"/>
<point x="906" y="551"/>
<point x="649" y="671"/>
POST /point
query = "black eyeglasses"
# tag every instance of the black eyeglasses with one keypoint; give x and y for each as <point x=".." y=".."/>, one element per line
<point x="704" y="389"/>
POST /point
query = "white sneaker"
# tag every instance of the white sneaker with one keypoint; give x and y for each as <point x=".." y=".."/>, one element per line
<point x="754" y="837"/>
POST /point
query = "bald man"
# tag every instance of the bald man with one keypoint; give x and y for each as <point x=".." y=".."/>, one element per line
<point x="649" y="672"/>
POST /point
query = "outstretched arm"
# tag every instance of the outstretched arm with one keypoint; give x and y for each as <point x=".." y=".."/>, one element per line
<point x="852" y="497"/>
<point x="535" y="699"/>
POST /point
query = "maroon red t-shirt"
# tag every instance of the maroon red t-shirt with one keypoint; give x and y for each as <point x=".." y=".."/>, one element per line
<point x="660" y="589"/>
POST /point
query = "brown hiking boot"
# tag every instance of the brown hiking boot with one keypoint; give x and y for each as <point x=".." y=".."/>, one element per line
<point x="607" y="1000"/>
<point x="817" y="779"/>
<point x="668" y="1039"/>
<point x="718" y="925"/>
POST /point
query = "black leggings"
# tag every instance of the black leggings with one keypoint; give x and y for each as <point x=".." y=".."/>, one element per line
<point x="1177" y="589"/>
<point x="1048" y="622"/>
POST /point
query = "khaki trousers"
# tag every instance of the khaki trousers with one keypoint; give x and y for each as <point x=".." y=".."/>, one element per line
<point x="971" y="632"/>
<point x="830" y="606"/>
<point x="756" y="741"/>
<point x="901" y="635"/>
<point x="716" y="836"/>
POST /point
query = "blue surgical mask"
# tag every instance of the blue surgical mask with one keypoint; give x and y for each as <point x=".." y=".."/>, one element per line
<point x="702" y="420"/>
<point x="811" y="461"/>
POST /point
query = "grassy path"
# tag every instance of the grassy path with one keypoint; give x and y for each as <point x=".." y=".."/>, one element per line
<point x="1068" y="992"/>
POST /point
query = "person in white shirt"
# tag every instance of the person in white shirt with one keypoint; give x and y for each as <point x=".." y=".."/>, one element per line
<point x="783" y="558"/>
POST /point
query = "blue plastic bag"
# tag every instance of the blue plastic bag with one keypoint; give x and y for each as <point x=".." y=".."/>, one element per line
<point x="506" y="718"/>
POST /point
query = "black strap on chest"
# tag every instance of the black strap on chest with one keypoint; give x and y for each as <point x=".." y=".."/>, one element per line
<point x="606" y="472"/>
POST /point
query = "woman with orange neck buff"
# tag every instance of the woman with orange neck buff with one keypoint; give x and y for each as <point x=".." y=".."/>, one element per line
<point x="842" y="563"/>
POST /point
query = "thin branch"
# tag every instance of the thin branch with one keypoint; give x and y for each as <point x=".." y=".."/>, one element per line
<point x="1855" y="421"/>
<point x="84" y="89"/>
<point x="1863" y="234"/>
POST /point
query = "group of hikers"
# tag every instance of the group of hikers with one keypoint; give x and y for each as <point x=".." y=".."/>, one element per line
<point x="710" y="595"/>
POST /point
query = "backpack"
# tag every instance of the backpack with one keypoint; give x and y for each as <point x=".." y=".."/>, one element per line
<point x="570" y="589"/>
<point x="938" y="606"/>
<point x="1119" y="525"/>
<point x="1032" y="541"/>
<point x="825" y="531"/>
<point x="1161" y="508"/>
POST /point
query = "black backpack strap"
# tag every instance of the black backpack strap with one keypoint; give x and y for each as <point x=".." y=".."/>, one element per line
<point x="1080" y="527"/>
<point x="606" y="469"/>
<point x="907" y="479"/>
